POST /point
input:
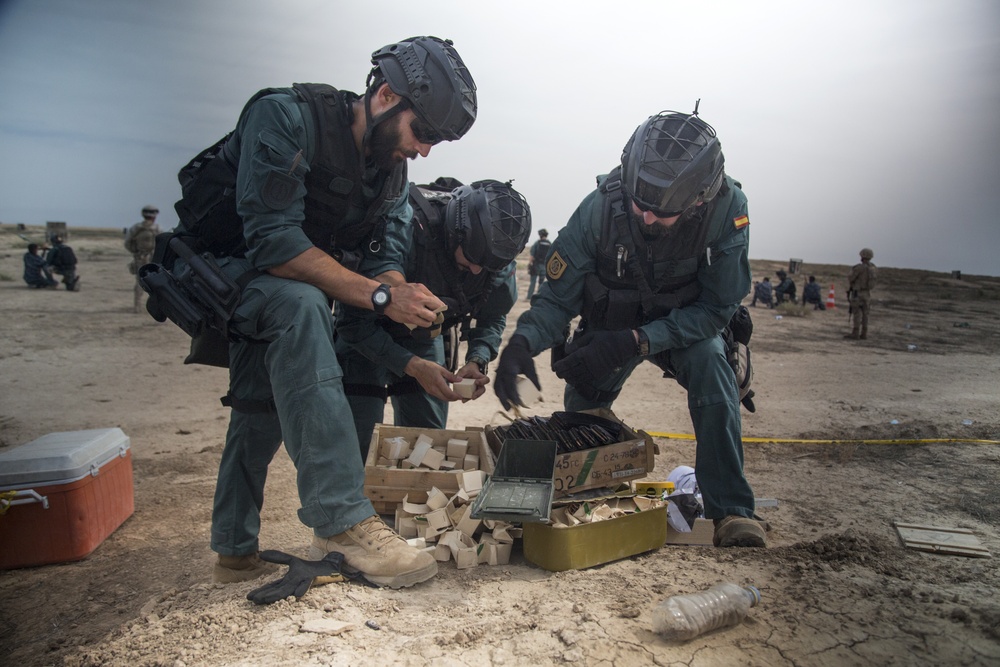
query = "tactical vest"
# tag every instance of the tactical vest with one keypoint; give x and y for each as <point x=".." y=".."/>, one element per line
<point x="334" y="184"/>
<point x="541" y="250"/>
<point x="639" y="280"/>
<point x="143" y="241"/>
<point x="433" y="261"/>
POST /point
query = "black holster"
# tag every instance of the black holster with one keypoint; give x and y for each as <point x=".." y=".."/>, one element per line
<point x="196" y="297"/>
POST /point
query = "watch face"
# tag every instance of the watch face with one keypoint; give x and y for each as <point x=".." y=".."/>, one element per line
<point x="380" y="298"/>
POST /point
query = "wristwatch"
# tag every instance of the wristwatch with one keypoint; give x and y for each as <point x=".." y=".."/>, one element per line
<point x="482" y="363"/>
<point x="381" y="298"/>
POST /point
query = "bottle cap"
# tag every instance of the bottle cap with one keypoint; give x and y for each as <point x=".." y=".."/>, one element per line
<point x="755" y="595"/>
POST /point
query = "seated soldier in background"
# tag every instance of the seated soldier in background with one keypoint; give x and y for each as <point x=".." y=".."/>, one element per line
<point x="462" y="244"/>
<point x="763" y="292"/>
<point x="811" y="294"/>
<point x="785" y="290"/>
<point x="36" y="271"/>
<point x="62" y="259"/>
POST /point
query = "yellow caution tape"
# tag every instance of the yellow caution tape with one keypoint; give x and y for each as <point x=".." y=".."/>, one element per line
<point x="688" y="436"/>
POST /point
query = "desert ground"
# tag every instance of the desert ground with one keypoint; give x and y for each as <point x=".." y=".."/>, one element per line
<point x="848" y="437"/>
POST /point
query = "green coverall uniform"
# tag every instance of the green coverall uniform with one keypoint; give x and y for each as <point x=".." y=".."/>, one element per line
<point x="288" y="354"/>
<point x="379" y="358"/>
<point x="686" y="340"/>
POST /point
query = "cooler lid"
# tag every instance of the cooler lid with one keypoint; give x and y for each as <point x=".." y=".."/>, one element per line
<point x="58" y="458"/>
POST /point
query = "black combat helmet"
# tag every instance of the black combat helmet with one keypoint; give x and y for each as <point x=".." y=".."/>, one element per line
<point x="490" y="220"/>
<point x="429" y="75"/>
<point x="672" y="162"/>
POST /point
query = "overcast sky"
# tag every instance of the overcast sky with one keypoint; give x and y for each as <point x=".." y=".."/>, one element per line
<point x="850" y="123"/>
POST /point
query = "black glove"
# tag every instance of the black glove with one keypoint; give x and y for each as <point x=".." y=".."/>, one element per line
<point x="298" y="579"/>
<point x="515" y="359"/>
<point x="594" y="355"/>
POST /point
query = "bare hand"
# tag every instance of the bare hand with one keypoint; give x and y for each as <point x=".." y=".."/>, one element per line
<point x="433" y="378"/>
<point x="472" y="371"/>
<point x="414" y="305"/>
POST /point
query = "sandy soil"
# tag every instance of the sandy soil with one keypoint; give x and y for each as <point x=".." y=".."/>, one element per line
<point x="838" y="587"/>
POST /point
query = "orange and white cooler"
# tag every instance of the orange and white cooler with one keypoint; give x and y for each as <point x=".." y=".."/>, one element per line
<point x="62" y="495"/>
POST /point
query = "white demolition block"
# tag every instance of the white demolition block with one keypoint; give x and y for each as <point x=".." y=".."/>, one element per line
<point x="438" y="522"/>
<point x="471" y="481"/>
<point x="436" y="498"/>
<point x="471" y="462"/>
<point x="466" y="524"/>
<point x="527" y="392"/>
<point x="406" y="524"/>
<point x="463" y="549"/>
<point x="457" y="449"/>
<point x="424" y="439"/>
<point x="414" y="509"/>
<point x="420" y="450"/>
<point x="395" y="448"/>
<point x="467" y="557"/>
<point x="442" y="553"/>
<point x="433" y="459"/>
<point x="466" y="388"/>
<point x="494" y="552"/>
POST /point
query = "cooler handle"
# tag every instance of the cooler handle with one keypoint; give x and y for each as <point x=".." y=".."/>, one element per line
<point x="23" y="497"/>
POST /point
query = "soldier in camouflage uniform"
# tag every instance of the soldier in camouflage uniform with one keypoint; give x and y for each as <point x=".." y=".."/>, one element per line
<point x="139" y="240"/>
<point x="861" y="281"/>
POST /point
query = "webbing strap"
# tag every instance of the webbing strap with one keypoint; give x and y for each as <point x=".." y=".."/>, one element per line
<point x="249" y="406"/>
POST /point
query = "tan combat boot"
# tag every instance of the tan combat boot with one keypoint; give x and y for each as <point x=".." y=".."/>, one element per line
<point x="382" y="556"/>
<point x="854" y="335"/>
<point x="864" y="333"/>
<point x="738" y="531"/>
<point x="232" y="569"/>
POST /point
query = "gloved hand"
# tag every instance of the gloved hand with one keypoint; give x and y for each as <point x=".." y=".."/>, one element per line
<point x="514" y="360"/>
<point x="594" y="355"/>
<point x="299" y="578"/>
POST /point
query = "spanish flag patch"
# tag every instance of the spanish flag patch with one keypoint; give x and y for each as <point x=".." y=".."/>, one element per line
<point x="741" y="222"/>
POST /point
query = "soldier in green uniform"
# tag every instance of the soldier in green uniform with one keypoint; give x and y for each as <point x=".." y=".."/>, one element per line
<point x="655" y="263"/>
<point x="317" y="173"/>
<point x="140" y="239"/>
<point x="861" y="281"/>
<point x="462" y="244"/>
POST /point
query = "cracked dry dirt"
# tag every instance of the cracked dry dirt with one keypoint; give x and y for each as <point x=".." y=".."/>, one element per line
<point x="838" y="588"/>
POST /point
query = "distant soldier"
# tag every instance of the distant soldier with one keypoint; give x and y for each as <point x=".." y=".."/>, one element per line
<point x="62" y="259"/>
<point x="139" y="240"/>
<point x="36" y="271"/>
<point x="861" y="282"/>
<point x="762" y="291"/>
<point x="536" y="265"/>
<point x="811" y="294"/>
<point x="785" y="289"/>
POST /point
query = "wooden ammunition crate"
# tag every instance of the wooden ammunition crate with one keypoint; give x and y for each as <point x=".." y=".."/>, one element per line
<point x="607" y="466"/>
<point x="386" y="487"/>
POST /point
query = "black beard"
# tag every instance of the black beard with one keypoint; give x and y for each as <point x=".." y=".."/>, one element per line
<point x="656" y="232"/>
<point x="383" y="144"/>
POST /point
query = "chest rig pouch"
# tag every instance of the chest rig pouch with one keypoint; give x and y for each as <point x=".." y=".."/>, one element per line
<point x="334" y="185"/>
<point x="433" y="264"/>
<point x="638" y="279"/>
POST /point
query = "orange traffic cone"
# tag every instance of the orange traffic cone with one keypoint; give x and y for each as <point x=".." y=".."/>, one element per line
<point x="830" y="304"/>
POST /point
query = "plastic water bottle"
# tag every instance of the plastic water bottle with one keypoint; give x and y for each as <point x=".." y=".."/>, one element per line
<point x="684" y="617"/>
